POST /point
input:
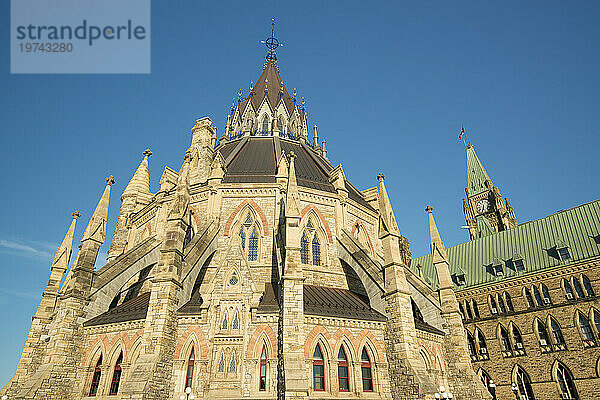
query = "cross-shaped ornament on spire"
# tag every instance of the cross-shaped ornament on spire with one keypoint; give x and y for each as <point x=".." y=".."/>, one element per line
<point x="272" y="44"/>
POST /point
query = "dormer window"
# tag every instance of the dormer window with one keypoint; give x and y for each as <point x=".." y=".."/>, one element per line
<point x="564" y="254"/>
<point x="498" y="270"/>
<point x="519" y="265"/>
<point x="460" y="279"/>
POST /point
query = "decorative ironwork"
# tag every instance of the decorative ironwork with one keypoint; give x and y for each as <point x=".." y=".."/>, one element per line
<point x="272" y="44"/>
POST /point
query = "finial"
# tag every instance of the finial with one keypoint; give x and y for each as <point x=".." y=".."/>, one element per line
<point x="240" y="96"/>
<point x="429" y="209"/>
<point x="294" y="95"/>
<point x="147" y="153"/>
<point x="380" y="177"/>
<point x="272" y="44"/>
<point x="76" y="215"/>
<point x="251" y="85"/>
<point x="110" y="180"/>
<point x="292" y="155"/>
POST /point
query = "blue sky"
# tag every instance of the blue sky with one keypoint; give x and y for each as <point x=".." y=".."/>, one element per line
<point x="388" y="83"/>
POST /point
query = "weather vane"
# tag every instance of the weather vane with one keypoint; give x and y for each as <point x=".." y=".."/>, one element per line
<point x="272" y="44"/>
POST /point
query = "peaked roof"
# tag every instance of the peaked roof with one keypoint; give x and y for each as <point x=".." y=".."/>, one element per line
<point x="536" y="242"/>
<point x="476" y="174"/>
<point x="130" y="310"/>
<point x="270" y="80"/>
<point x="140" y="181"/>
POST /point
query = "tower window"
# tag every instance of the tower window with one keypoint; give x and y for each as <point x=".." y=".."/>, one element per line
<point x="262" y="380"/>
<point x="224" y="323"/>
<point x="236" y="321"/>
<point x="221" y="367"/>
<point x="232" y="363"/>
<point x="189" y="373"/>
<point x="566" y="383"/>
<point x="524" y="385"/>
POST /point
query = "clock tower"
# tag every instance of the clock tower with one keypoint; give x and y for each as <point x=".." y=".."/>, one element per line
<point x="486" y="211"/>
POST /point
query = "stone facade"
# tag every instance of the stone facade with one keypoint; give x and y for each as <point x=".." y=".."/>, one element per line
<point x="256" y="271"/>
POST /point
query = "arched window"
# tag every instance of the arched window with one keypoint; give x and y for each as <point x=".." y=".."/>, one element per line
<point x="481" y="342"/>
<point x="262" y="380"/>
<point x="189" y="373"/>
<point x="529" y="298"/>
<point x="586" y="329"/>
<point x="468" y="308"/>
<point x="493" y="305"/>
<point x="221" y="366"/>
<point x="596" y="317"/>
<point x="587" y="285"/>
<point x="367" y="373"/>
<point x="566" y="383"/>
<point x="488" y="383"/>
<point x="253" y="246"/>
<point x="461" y="310"/>
<point x="280" y="124"/>
<point x="343" y="379"/>
<point x="225" y="322"/>
<point x="96" y="377"/>
<point x="568" y="290"/>
<point x="318" y="369"/>
<point x="538" y="297"/>
<point x="517" y="338"/>
<point x="509" y="304"/>
<point x="471" y="345"/>
<point x="546" y="294"/>
<point x="265" y="123"/>
<point x="557" y="335"/>
<point x="524" y="385"/>
<point x="475" y="309"/>
<point x="232" y="363"/>
<point x="505" y="340"/>
<point x="116" y="378"/>
<point x="236" y="321"/>
<point x="249" y="234"/>
<point x="304" y="252"/>
<point x="501" y="305"/>
<point x="316" y="251"/>
<point x="542" y="333"/>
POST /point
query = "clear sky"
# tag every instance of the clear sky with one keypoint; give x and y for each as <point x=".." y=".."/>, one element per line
<point x="388" y="83"/>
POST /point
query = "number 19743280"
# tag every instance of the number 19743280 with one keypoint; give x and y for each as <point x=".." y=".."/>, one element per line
<point x="45" y="47"/>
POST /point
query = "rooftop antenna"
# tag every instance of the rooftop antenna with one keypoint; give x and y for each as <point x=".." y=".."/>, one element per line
<point x="272" y="44"/>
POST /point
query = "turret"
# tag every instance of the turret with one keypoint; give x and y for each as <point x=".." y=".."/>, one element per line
<point x="204" y="137"/>
<point x="136" y="195"/>
<point x="315" y="138"/>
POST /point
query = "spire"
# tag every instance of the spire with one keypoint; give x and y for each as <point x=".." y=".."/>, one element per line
<point x="63" y="253"/>
<point x="272" y="45"/>
<point x="476" y="174"/>
<point x="292" y="206"/>
<point x="96" y="228"/>
<point x="388" y="220"/>
<point x="140" y="182"/>
<point x="315" y="137"/>
<point x="438" y="250"/>
<point x="324" y="150"/>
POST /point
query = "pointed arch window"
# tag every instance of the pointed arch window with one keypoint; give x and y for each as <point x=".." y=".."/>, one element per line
<point x="475" y="309"/>
<point x="509" y="304"/>
<point x="265" y="123"/>
<point x="225" y="322"/>
<point x="481" y="342"/>
<point x="546" y="294"/>
<point x="501" y="305"/>
<point x="505" y="340"/>
<point x="586" y="329"/>
<point x="568" y="289"/>
<point x="304" y="252"/>
<point x="557" y="335"/>
<point x="578" y="288"/>
<point x="493" y="305"/>
<point x="538" y="297"/>
<point x="318" y="369"/>
<point x="235" y="324"/>
<point x="316" y="251"/>
<point x="366" y="371"/>
<point x="542" y="333"/>
<point x="588" y="286"/>
<point x="469" y="312"/>
<point x="343" y="378"/>
<point x="189" y="373"/>
<point x="280" y="124"/>
<point x="262" y="380"/>
<point x="488" y="383"/>
<point x="517" y="338"/>
<point x="116" y="378"/>
<point x="524" y="385"/>
<point x="596" y="317"/>
<point x="461" y="310"/>
<point x="471" y="345"/>
<point x="250" y="234"/>
<point x="221" y="366"/>
<point x="96" y="377"/>
<point x="232" y="363"/>
<point x="234" y="279"/>
<point x="566" y="383"/>
<point x="529" y="298"/>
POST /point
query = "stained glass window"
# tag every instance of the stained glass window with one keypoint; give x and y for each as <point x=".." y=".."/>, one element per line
<point x="316" y="250"/>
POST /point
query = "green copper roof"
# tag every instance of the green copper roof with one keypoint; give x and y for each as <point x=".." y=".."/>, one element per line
<point x="476" y="175"/>
<point x="535" y="242"/>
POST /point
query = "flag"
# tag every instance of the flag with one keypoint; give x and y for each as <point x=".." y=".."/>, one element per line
<point x="462" y="132"/>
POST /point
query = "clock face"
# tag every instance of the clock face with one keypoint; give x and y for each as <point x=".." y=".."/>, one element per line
<point x="483" y="206"/>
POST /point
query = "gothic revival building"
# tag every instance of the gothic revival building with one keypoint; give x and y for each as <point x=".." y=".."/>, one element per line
<point x="527" y="295"/>
<point x="257" y="270"/>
